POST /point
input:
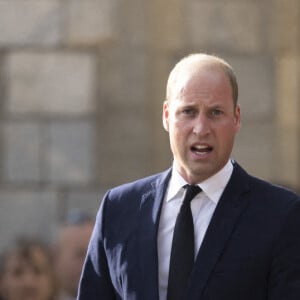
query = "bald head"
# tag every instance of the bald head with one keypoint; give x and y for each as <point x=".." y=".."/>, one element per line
<point x="190" y="65"/>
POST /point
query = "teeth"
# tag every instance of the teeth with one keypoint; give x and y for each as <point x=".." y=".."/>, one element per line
<point x="201" y="147"/>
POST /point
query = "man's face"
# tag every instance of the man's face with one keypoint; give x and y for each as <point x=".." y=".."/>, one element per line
<point x="202" y="122"/>
<point x="72" y="251"/>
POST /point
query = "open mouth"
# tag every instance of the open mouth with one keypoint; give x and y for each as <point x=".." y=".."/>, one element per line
<point x="201" y="149"/>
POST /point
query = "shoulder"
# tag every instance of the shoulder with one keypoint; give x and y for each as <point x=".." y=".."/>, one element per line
<point x="136" y="189"/>
<point x="263" y="190"/>
<point x="272" y="190"/>
<point x="124" y="202"/>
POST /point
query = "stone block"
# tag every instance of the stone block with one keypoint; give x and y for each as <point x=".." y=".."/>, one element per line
<point x="91" y="22"/>
<point x="30" y="22"/>
<point x="285" y="26"/>
<point x="164" y="30"/>
<point x="87" y="199"/>
<point x="21" y="152"/>
<point x="131" y="23"/>
<point x="255" y="75"/>
<point x="288" y="91"/>
<point x="287" y="166"/>
<point x="70" y="152"/>
<point x="27" y="212"/>
<point x="123" y="147"/>
<point x="224" y="25"/>
<point x="254" y="149"/>
<point x="123" y="81"/>
<point x="49" y="83"/>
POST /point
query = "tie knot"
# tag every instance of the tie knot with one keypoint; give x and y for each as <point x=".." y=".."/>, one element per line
<point x="190" y="192"/>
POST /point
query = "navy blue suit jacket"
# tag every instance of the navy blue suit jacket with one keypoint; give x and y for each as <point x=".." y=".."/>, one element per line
<point x="251" y="250"/>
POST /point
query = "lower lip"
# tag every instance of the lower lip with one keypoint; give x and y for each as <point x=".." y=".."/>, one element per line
<point x="200" y="156"/>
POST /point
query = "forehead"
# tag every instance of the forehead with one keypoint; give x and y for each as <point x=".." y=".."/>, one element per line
<point x="34" y="257"/>
<point x="204" y="80"/>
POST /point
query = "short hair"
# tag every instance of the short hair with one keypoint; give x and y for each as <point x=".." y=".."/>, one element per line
<point x="23" y="247"/>
<point x="195" y="58"/>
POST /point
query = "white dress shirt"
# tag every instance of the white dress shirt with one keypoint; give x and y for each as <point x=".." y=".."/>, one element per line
<point x="202" y="206"/>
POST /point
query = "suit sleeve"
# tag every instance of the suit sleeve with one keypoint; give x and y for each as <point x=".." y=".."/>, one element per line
<point x="284" y="283"/>
<point x="95" y="282"/>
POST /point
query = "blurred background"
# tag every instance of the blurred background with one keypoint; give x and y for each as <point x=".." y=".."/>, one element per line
<point x="82" y="84"/>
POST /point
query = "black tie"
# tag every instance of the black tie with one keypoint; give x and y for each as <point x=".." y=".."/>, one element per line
<point x="182" y="252"/>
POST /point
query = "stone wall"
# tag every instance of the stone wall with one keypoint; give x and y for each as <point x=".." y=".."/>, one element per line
<point x="82" y="85"/>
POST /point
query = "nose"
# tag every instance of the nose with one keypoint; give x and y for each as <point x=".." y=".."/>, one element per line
<point x="201" y="125"/>
<point x="29" y="279"/>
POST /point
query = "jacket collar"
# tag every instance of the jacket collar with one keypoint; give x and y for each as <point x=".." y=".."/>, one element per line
<point x="231" y="205"/>
<point x="149" y="221"/>
<point x="229" y="208"/>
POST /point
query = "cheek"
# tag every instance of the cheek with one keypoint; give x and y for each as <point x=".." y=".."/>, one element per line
<point x="175" y="131"/>
<point x="47" y="283"/>
<point x="9" y="282"/>
<point x="178" y="138"/>
<point x="226" y="136"/>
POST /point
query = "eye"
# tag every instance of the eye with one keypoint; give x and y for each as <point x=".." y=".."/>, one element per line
<point x="18" y="272"/>
<point x="216" y="112"/>
<point x="188" y="111"/>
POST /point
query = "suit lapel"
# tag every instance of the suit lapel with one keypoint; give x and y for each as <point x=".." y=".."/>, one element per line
<point x="147" y="236"/>
<point x="222" y="224"/>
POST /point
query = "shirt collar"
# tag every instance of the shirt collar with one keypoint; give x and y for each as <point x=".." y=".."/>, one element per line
<point x="213" y="186"/>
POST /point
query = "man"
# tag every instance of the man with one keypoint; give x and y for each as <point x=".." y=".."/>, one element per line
<point x="246" y="231"/>
<point x="73" y="239"/>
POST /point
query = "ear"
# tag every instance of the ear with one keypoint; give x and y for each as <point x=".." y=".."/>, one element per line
<point x="237" y="118"/>
<point x="166" y="115"/>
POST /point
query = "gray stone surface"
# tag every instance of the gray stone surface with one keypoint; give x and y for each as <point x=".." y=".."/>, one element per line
<point x="91" y="22"/>
<point x="84" y="199"/>
<point x="21" y="152"/>
<point x="70" y="152"/>
<point x="27" y="212"/>
<point x="30" y="22"/>
<point x="164" y="31"/>
<point x="254" y="148"/>
<point x="284" y="36"/>
<point x="123" y="79"/>
<point x="131" y="20"/>
<point x="288" y="92"/>
<point x="286" y="167"/>
<point x="255" y="75"/>
<point x="231" y="25"/>
<point x="123" y="147"/>
<point x="49" y="83"/>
